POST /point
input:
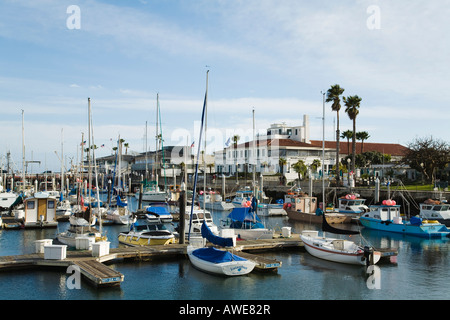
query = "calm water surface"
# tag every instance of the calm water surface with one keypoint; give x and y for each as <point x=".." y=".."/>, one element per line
<point x="421" y="272"/>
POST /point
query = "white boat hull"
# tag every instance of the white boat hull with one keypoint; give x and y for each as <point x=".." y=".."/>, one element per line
<point x="323" y="248"/>
<point x="232" y="268"/>
<point x="153" y="196"/>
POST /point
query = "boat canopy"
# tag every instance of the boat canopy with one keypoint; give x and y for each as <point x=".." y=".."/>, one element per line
<point x="243" y="214"/>
<point x="214" y="255"/>
<point x="120" y="203"/>
<point x="157" y="211"/>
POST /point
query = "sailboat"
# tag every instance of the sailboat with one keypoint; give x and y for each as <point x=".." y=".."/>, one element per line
<point x="211" y="259"/>
<point x="151" y="191"/>
<point x="216" y="261"/>
<point x="81" y="222"/>
<point x="246" y="224"/>
<point x="119" y="213"/>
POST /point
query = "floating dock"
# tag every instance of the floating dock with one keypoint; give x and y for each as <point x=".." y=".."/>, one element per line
<point x="94" y="270"/>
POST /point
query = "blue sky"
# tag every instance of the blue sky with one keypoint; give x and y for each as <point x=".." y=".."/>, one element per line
<point x="273" y="56"/>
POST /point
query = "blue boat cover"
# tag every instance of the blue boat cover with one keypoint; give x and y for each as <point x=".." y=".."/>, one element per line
<point x="208" y="235"/>
<point x="214" y="255"/>
<point x="120" y="203"/>
<point x="158" y="210"/>
<point x="243" y="214"/>
<point x="415" y="221"/>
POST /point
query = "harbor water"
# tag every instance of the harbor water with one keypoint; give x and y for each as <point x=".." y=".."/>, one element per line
<point x="421" y="271"/>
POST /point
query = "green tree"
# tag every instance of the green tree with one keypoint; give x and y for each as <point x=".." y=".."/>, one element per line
<point x="348" y="134"/>
<point x="333" y="95"/>
<point x="427" y="155"/>
<point x="363" y="136"/>
<point x="301" y="169"/>
<point x="352" y="104"/>
<point x="315" y="164"/>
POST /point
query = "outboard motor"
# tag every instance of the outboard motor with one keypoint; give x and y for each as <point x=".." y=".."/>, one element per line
<point x="368" y="255"/>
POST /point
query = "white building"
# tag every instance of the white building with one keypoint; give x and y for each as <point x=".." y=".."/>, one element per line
<point x="281" y="141"/>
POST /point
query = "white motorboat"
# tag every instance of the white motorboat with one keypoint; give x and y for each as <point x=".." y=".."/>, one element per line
<point x="198" y="217"/>
<point x="435" y="210"/>
<point x="152" y="193"/>
<point x="73" y="235"/>
<point x="212" y="200"/>
<point x="7" y="199"/>
<point x="338" y="250"/>
<point x="63" y="209"/>
<point x="158" y="213"/>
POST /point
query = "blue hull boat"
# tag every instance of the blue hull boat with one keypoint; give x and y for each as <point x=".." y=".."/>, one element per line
<point x="387" y="218"/>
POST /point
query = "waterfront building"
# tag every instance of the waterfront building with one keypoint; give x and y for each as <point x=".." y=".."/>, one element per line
<point x="292" y="143"/>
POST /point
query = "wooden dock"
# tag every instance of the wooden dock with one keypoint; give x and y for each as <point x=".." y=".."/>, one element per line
<point x="99" y="274"/>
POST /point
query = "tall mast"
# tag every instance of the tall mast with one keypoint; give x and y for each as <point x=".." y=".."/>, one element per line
<point x="62" y="163"/>
<point x="323" y="156"/>
<point x="23" y="154"/>
<point x="157" y="140"/>
<point x="89" y="154"/>
<point x="204" y="152"/>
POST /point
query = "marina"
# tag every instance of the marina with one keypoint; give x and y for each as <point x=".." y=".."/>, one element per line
<point x="270" y="183"/>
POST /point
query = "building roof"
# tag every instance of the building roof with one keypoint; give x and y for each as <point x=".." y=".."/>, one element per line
<point x="395" y="150"/>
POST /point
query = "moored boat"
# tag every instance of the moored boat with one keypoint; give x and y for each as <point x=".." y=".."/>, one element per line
<point x="212" y="200"/>
<point x="435" y="210"/>
<point x="147" y="235"/>
<point x="158" y="212"/>
<point x="216" y="261"/>
<point x="386" y="217"/>
<point x="39" y="211"/>
<point x="247" y="225"/>
<point x="301" y="207"/>
<point x="338" y="250"/>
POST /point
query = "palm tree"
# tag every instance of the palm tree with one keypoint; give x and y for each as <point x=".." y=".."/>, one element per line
<point x="333" y="95"/>
<point x="282" y="162"/>
<point x="363" y="136"/>
<point x="315" y="164"/>
<point x="300" y="168"/>
<point x="347" y="135"/>
<point x="352" y="105"/>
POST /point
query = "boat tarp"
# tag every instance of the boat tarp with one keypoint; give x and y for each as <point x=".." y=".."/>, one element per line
<point x="243" y="214"/>
<point x="208" y="235"/>
<point x="157" y="211"/>
<point x="120" y="203"/>
<point x="214" y="255"/>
